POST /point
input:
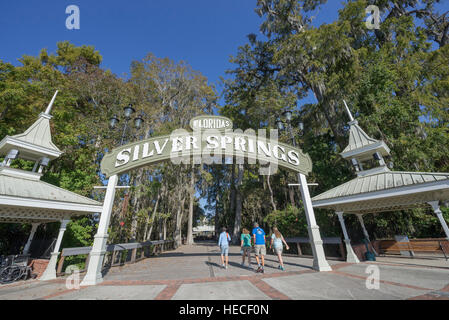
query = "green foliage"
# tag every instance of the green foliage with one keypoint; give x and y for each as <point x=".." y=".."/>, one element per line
<point x="79" y="233"/>
<point x="395" y="80"/>
<point x="290" y="221"/>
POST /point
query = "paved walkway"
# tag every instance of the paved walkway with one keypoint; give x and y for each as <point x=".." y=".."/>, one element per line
<point x="194" y="273"/>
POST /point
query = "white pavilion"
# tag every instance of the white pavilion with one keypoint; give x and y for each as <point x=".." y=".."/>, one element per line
<point x="24" y="198"/>
<point x="379" y="189"/>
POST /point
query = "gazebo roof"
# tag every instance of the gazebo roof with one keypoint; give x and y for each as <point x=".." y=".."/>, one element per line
<point x="385" y="191"/>
<point x="361" y="145"/>
<point x="358" y="138"/>
<point x="378" y="189"/>
<point x="27" y="187"/>
<point x="36" y="141"/>
<point x="24" y="198"/>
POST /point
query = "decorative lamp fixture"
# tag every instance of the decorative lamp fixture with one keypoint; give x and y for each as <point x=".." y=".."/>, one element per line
<point x="288" y="115"/>
<point x="301" y="126"/>
<point x="113" y="122"/>
<point x="138" y="121"/>
<point x="279" y="124"/>
<point x="129" y="110"/>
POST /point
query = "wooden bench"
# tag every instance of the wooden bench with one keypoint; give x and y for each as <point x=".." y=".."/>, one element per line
<point x="298" y="241"/>
<point x="392" y="246"/>
<point x="416" y="245"/>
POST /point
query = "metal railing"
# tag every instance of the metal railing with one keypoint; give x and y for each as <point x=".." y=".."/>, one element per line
<point x="119" y="254"/>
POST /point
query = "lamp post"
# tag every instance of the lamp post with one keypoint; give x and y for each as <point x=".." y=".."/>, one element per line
<point x="128" y="111"/>
<point x="138" y="121"/>
<point x="94" y="270"/>
<point x="319" y="259"/>
<point x="288" y="120"/>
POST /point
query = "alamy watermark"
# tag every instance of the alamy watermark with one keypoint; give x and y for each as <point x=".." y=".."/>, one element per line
<point x="73" y="20"/>
<point x="373" y="280"/>
<point x="373" y="20"/>
<point x="73" y="281"/>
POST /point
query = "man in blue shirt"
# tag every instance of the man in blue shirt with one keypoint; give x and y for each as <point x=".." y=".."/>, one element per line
<point x="259" y="246"/>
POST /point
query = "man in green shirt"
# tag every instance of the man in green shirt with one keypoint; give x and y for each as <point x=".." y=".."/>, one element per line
<point x="245" y="244"/>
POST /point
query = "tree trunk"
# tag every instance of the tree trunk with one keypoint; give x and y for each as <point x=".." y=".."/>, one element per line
<point x="135" y="205"/>
<point x="271" y="192"/>
<point x="192" y="198"/>
<point x="238" y="207"/>
<point x="178" y="229"/>
<point x="160" y="229"/>
<point x="3" y="114"/>
<point x="291" y="193"/>
<point x="217" y="214"/>
<point x="232" y="195"/>
<point x="136" y="198"/>
<point x="320" y="94"/>
<point x="153" y="216"/>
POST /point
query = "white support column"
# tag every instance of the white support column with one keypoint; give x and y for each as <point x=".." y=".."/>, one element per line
<point x="351" y="256"/>
<point x="30" y="238"/>
<point x="93" y="275"/>
<point x="50" y="272"/>
<point x="319" y="259"/>
<point x="365" y="232"/>
<point x="436" y="208"/>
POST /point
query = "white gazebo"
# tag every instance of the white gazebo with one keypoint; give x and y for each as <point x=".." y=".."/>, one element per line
<point x="24" y="198"/>
<point x="379" y="189"/>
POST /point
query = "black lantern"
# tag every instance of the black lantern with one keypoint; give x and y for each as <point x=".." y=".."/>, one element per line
<point x="129" y="110"/>
<point x="113" y="122"/>
<point x="288" y="115"/>
<point x="279" y="124"/>
<point x="138" y="121"/>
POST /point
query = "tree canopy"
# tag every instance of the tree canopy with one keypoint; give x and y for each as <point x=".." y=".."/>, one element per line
<point x="395" y="79"/>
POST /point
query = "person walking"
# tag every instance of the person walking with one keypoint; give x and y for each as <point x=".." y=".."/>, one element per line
<point x="259" y="246"/>
<point x="223" y="243"/>
<point x="245" y="244"/>
<point x="277" y="240"/>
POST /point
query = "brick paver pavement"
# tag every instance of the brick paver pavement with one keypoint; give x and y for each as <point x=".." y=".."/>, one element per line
<point x="195" y="273"/>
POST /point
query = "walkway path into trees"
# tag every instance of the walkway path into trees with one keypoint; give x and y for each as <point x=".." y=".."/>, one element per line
<point x="194" y="272"/>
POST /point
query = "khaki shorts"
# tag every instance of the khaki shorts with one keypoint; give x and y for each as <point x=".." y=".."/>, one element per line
<point x="260" y="250"/>
<point x="246" y="250"/>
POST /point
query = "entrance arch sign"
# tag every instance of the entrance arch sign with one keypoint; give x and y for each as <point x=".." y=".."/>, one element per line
<point x="205" y="145"/>
<point x="212" y="139"/>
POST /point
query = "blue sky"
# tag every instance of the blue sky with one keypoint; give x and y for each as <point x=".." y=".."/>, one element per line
<point x="204" y="33"/>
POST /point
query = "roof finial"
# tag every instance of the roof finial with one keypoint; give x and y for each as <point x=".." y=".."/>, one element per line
<point x="50" y="105"/>
<point x="349" y="112"/>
